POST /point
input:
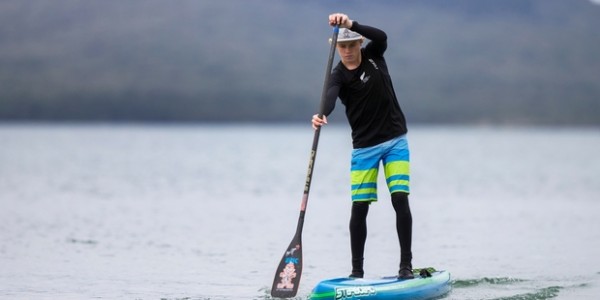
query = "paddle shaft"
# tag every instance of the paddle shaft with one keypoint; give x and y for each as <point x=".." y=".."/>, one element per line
<point x="287" y="276"/>
<point x="315" y="143"/>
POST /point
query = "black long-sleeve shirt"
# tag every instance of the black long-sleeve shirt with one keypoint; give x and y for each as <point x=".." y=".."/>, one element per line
<point x="371" y="105"/>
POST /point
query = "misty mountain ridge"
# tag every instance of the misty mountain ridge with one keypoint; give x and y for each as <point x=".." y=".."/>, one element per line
<point x="461" y="61"/>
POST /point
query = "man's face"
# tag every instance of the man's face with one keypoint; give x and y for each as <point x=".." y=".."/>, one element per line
<point x="349" y="51"/>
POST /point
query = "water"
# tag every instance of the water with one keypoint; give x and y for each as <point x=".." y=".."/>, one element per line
<point x="205" y="212"/>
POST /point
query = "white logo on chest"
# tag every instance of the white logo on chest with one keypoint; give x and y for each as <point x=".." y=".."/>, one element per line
<point x="364" y="78"/>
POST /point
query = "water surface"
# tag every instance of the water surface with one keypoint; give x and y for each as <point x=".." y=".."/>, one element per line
<point x="205" y="212"/>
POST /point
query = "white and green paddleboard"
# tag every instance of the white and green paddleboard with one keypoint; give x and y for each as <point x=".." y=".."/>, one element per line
<point x="427" y="284"/>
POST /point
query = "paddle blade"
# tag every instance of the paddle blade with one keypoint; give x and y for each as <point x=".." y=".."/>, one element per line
<point x="287" y="276"/>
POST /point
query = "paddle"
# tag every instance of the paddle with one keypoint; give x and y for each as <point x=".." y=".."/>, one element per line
<point x="287" y="276"/>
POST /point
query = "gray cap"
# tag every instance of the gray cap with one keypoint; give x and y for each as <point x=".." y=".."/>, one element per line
<point x="346" y="35"/>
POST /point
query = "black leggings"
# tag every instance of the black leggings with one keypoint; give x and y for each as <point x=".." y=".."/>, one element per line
<point x="358" y="233"/>
<point x="403" y="225"/>
<point x="358" y="229"/>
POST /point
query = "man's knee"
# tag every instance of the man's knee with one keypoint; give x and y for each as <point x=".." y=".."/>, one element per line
<point x="400" y="202"/>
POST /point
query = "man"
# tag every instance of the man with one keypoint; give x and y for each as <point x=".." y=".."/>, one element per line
<point x="363" y="84"/>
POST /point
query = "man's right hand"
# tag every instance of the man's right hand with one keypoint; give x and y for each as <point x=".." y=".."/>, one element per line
<point x="318" y="122"/>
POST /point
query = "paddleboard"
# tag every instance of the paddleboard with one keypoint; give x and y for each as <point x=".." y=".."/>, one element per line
<point x="427" y="284"/>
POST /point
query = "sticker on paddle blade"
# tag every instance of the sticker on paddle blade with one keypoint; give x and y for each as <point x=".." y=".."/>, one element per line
<point x="289" y="272"/>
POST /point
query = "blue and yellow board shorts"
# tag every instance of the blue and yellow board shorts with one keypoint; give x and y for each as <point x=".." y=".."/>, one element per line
<point x="364" y="169"/>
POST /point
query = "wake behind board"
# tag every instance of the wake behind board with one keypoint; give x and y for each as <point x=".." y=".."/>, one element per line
<point x="427" y="284"/>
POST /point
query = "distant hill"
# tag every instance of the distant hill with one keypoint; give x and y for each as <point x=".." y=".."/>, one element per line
<point x="460" y="61"/>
